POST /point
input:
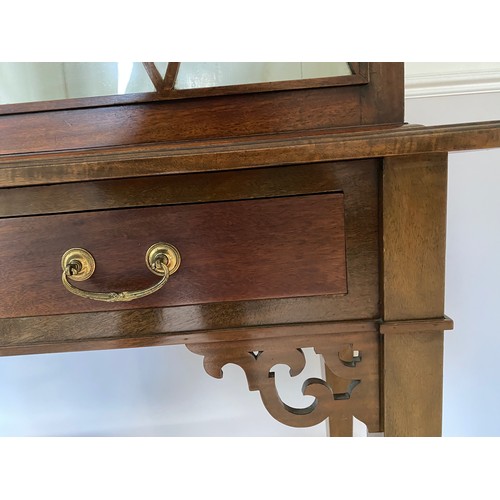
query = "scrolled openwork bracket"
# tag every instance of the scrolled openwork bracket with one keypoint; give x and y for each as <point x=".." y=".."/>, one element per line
<point x="341" y="398"/>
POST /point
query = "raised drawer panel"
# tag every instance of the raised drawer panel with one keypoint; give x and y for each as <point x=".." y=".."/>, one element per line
<point x="231" y="251"/>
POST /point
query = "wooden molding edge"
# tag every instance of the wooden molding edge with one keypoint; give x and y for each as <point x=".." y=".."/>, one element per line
<point x="14" y="330"/>
<point x="432" y="325"/>
<point x="448" y="84"/>
<point x="209" y="156"/>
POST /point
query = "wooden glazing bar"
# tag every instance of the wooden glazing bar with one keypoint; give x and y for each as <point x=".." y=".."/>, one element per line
<point x="154" y="75"/>
<point x="170" y="76"/>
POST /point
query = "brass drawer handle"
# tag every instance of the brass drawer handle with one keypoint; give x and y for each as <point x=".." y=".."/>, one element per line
<point x="78" y="264"/>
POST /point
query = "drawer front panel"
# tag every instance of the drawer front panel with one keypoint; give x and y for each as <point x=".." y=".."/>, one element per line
<point x="231" y="251"/>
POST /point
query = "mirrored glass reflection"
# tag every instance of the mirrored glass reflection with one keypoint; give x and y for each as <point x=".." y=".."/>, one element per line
<point x="193" y="75"/>
<point x="46" y="81"/>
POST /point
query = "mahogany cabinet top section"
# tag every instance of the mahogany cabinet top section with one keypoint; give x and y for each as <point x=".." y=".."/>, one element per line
<point x="376" y="100"/>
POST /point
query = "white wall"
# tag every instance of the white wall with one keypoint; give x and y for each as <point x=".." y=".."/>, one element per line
<point x="472" y="349"/>
<point x="164" y="391"/>
<point x="158" y="391"/>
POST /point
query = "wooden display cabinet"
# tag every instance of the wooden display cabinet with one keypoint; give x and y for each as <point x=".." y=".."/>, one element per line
<point x="304" y="215"/>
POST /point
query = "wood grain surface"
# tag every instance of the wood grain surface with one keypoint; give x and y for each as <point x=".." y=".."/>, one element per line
<point x="339" y="400"/>
<point x="239" y="250"/>
<point x="414" y="222"/>
<point x="416" y="325"/>
<point x="414" y="199"/>
<point x="378" y="102"/>
<point x="174" y="189"/>
<point x="243" y="153"/>
<point x="359" y="183"/>
<point x="143" y="327"/>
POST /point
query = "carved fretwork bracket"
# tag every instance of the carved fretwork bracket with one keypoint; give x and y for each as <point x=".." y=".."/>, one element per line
<point x="352" y="361"/>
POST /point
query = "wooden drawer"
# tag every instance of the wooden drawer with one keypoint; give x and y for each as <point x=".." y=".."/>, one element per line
<point x="292" y="246"/>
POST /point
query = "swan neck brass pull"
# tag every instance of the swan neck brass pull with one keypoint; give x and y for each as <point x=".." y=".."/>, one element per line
<point x="78" y="264"/>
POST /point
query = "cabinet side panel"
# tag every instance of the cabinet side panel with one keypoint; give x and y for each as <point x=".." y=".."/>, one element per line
<point x="414" y="231"/>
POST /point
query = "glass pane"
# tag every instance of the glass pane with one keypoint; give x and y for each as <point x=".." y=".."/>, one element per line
<point x="41" y="81"/>
<point x="193" y="75"/>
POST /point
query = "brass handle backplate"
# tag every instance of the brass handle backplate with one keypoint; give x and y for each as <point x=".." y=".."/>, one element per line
<point x="78" y="264"/>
